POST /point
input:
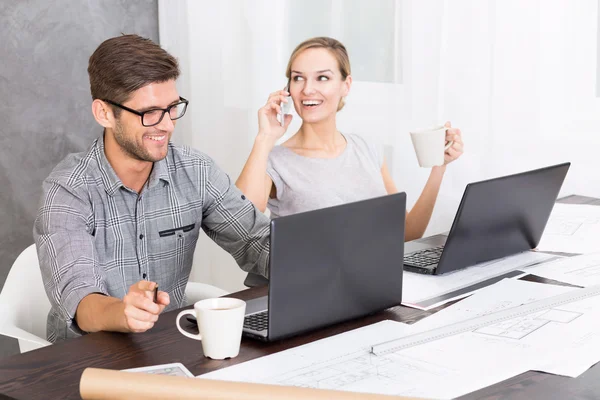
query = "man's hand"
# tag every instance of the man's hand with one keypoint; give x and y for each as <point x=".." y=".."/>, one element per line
<point x="137" y="312"/>
<point x="140" y="311"/>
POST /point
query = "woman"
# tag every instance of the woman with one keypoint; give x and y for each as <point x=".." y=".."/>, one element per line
<point x="319" y="166"/>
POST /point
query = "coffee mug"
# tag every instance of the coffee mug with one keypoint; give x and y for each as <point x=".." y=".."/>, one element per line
<point x="430" y="145"/>
<point x="220" y="323"/>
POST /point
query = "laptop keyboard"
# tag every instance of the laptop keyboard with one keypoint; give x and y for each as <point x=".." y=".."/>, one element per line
<point x="423" y="258"/>
<point x="257" y="322"/>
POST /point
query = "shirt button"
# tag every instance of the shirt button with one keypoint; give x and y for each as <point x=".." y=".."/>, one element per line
<point x="141" y="236"/>
<point x="243" y="197"/>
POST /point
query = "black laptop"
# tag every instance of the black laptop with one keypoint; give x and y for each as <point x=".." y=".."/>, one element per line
<point x="331" y="265"/>
<point x="496" y="218"/>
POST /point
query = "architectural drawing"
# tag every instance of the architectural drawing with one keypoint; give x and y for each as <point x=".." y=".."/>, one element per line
<point x="586" y="271"/>
<point x="572" y="228"/>
<point x="362" y="369"/>
<point x="449" y="366"/>
<point x="562" y="227"/>
<point x="581" y="270"/>
<point x="518" y="328"/>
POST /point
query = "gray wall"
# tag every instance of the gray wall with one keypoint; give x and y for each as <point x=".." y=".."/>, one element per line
<point x="45" y="99"/>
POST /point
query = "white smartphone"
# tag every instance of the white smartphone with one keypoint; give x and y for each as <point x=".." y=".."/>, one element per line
<point x="285" y="107"/>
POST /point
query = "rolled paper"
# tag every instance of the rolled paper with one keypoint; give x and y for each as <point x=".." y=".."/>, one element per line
<point x="104" y="384"/>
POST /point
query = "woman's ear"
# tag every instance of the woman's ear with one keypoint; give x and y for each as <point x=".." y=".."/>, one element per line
<point x="103" y="113"/>
<point x="347" y="85"/>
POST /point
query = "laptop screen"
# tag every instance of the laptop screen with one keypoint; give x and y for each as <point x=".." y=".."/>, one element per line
<point x="335" y="264"/>
<point x="501" y="217"/>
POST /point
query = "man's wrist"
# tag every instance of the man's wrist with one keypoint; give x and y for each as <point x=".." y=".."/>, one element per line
<point x="98" y="312"/>
<point x="115" y="319"/>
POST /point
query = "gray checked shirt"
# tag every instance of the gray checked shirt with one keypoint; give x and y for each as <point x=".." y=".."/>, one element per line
<point x="94" y="235"/>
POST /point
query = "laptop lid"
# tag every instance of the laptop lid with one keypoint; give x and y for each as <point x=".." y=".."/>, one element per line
<point x="335" y="264"/>
<point x="502" y="216"/>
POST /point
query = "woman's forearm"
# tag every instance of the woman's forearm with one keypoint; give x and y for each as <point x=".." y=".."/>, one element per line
<point x="252" y="180"/>
<point x="419" y="216"/>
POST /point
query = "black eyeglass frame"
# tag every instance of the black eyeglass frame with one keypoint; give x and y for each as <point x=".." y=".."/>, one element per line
<point x="164" y="110"/>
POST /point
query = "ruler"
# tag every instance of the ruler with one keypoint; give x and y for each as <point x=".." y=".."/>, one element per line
<point x="472" y="324"/>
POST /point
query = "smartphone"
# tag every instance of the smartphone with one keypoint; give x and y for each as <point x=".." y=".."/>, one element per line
<point x="286" y="107"/>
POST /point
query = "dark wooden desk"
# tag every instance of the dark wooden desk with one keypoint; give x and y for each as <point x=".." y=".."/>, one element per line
<point x="53" y="372"/>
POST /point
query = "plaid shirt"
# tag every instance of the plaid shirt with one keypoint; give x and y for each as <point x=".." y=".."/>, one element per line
<point x="94" y="235"/>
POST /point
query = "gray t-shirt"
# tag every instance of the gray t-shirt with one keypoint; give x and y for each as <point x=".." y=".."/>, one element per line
<point x="305" y="183"/>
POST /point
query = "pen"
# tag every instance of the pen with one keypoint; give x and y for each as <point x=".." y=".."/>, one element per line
<point x="144" y="276"/>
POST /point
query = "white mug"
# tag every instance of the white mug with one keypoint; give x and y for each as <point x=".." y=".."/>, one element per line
<point x="430" y="145"/>
<point x="220" y="322"/>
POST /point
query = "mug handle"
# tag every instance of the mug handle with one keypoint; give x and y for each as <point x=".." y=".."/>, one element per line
<point x="181" y="314"/>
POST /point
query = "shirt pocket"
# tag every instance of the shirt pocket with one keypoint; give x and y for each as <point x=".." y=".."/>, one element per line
<point x="180" y="242"/>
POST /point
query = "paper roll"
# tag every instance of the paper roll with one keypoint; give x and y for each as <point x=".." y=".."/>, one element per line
<point x="103" y="384"/>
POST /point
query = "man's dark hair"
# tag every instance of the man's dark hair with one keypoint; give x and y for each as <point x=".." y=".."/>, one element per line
<point x="123" y="64"/>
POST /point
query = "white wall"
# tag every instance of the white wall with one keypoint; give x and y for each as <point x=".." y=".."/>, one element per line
<point x="517" y="77"/>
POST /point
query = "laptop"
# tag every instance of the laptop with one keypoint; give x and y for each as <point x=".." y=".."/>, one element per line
<point x="496" y="218"/>
<point x="330" y="265"/>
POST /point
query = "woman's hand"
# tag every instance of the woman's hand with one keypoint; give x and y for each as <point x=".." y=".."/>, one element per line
<point x="268" y="126"/>
<point x="456" y="150"/>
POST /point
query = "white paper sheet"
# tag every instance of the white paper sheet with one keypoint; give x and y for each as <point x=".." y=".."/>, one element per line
<point x="572" y="228"/>
<point x="563" y="340"/>
<point x="502" y="295"/>
<point x="343" y="362"/>
<point x="425" y="291"/>
<point x="172" y="369"/>
<point x="583" y="270"/>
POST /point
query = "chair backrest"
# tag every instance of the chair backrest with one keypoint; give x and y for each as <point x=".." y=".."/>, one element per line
<point x="24" y="305"/>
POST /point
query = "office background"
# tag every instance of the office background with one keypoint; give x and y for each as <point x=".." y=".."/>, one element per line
<point x="519" y="79"/>
<point x="45" y="111"/>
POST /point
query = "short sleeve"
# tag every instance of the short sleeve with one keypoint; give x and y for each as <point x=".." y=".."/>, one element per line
<point x="274" y="175"/>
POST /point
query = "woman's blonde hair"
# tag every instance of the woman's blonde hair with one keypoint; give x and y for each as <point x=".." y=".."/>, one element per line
<point x="334" y="46"/>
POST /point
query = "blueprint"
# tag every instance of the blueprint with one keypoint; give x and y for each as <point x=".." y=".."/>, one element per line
<point x="583" y="270"/>
<point x="572" y="228"/>
<point x="429" y="291"/>
<point x="344" y="362"/>
<point x="563" y="340"/>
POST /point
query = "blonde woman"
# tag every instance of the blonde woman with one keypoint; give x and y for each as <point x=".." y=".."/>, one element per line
<point x="319" y="166"/>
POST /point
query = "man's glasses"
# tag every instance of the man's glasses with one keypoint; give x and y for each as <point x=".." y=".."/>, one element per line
<point x="154" y="116"/>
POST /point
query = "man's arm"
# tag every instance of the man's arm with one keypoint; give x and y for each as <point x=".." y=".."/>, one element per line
<point x="234" y="223"/>
<point x="74" y="280"/>
<point x="135" y="313"/>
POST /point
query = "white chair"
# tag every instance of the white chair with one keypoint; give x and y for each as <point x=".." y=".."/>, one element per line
<point x="196" y="291"/>
<point x="24" y="305"/>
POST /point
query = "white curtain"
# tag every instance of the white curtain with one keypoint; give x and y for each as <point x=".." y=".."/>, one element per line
<point x="518" y="77"/>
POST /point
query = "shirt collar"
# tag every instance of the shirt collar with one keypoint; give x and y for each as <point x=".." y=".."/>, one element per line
<point x="110" y="180"/>
<point x="160" y="171"/>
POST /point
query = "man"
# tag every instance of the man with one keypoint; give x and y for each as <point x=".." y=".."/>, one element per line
<point x="124" y="217"/>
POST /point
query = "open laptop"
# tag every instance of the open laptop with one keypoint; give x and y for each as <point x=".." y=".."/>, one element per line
<point x="331" y="265"/>
<point x="496" y="218"/>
